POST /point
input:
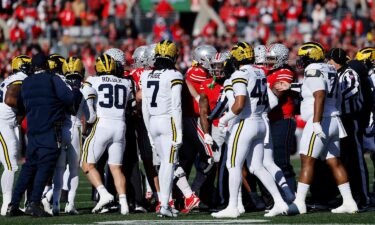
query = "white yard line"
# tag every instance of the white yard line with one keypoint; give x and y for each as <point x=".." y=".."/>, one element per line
<point x="182" y="222"/>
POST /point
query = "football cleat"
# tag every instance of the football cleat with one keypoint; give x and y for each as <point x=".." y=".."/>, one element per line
<point x="347" y="207"/>
<point x="227" y="213"/>
<point x="191" y="203"/>
<point x="167" y="212"/>
<point x="104" y="200"/>
<point x="46" y="206"/>
<point x="278" y="209"/>
<point x="124" y="209"/>
<point x="70" y="209"/>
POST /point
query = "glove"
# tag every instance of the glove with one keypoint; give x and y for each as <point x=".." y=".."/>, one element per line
<point x="216" y="156"/>
<point x="318" y="130"/>
<point x="178" y="143"/>
<point x="208" y="139"/>
<point x="222" y="126"/>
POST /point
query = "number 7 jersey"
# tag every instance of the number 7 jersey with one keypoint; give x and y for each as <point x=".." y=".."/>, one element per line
<point x="111" y="95"/>
<point x="251" y="82"/>
<point x="157" y="90"/>
<point x="320" y="77"/>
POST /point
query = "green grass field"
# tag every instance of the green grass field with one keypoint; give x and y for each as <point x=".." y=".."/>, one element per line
<point x="84" y="205"/>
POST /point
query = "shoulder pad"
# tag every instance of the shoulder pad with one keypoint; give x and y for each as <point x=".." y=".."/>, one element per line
<point x="313" y="73"/>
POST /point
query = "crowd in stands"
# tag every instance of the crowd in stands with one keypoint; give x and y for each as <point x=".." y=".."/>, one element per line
<point x="87" y="27"/>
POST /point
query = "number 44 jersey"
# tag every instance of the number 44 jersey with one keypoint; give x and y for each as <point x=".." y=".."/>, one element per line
<point x="251" y="82"/>
<point x="320" y="77"/>
<point x="157" y="90"/>
<point x="111" y="95"/>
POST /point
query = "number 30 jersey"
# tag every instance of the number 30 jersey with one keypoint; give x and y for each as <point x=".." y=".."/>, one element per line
<point x="157" y="90"/>
<point x="111" y="95"/>
<point x="251" y="82"/>
<point x="320" y="76"/>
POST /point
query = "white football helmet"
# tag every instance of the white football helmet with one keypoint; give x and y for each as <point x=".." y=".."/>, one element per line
<point x="203" y="54"/>
<point x="277" y="55"/>
<point x="139" y="57"/>
<point x="117" y="55"/>
<point x="217" y="64"/>
<point x="150" y="55"/>
<point x="260" y="55"/>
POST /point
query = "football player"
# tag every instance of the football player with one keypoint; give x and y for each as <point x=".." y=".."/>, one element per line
<point x="111" y="95"/>
<point x="250" y="90"/>
<point x="162" y="114"/>
<point x="9" y="142"/>
<point x="320" y="108"/>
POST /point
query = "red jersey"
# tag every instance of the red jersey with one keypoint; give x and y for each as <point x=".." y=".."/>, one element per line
<point x="136" y="74"/>
<point x="213" y="95"/>
<point x="285" y="108"/>
<point x="196" y="75"/>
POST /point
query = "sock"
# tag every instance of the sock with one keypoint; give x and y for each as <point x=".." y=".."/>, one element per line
<point x="239" y="198"/>
<point x="102" y="190"/>
<point x="267" y="180"/>
<point x="122" y="199"/>
<point x="49" y="195"/>
<point x="165" y="177"/>
<point x="302" y="190"/>
<point x="73" y="181"/>
<point x="7" y="180"/>
<point x="184" y="186"/>
<point x="235" y="177"/>
<point x="158" y="196"/>
<point x="345" y="192"/>
<point x="66" y="178"/>
<point x="46" y="189"/>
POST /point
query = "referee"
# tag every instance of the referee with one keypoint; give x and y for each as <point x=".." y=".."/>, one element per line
<point x="351" y="146"/>
<point x="45" y="98"/>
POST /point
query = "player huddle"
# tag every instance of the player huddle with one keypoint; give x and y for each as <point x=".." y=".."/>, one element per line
<point x="232" y="113"/>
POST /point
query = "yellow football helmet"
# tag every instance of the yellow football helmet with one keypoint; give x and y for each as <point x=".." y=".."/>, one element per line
<point x="366" y="55"/>
<point x="166" y="49"/>
<point x="105" y="65"/>
<point x="55" y="63"/>
<point x="21" y="63"/>
<point x="310" y="52"/>
<point x="73" y="66"/>
<point x="243" y="53"/>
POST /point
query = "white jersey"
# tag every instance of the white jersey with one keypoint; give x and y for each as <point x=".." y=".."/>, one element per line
<point x="157" y="90"/>
<point x="320" y="76"/>
<point x="8" y="113"/>
<point x="251" y="82"/>
<point x="111" y="95"/>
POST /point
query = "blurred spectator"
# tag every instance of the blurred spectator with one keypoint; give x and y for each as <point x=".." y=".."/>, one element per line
<point x="164" y="9"/>
<point x="67" y="16"/>
<point x="160" y="29"/>
<point x="318" y="16"/>
<point x="292" y="15"/>
<point x="78" y="7"/>
<point x="347" y="24"/>
<point x="17" y="34"/>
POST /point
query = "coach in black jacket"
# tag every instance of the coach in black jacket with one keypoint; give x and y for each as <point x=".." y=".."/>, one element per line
<point x="45" y="99"/>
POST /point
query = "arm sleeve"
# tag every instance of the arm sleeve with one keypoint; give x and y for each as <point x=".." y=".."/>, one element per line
<point x="89" y="110"/>
<point x="315" y="84"/>
<point x="63" y="92"/>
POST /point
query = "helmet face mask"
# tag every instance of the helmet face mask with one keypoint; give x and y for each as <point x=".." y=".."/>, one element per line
<point x="203" y="56"/>
<point x="217" y="64"/>
<point x="21" y="63"/>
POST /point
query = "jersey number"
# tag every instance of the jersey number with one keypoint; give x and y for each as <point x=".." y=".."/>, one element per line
<point x="115" y="96"/>
<point x="333" y="83"/>
<point x="257" y="92"/>
<point x="155" y="93"/>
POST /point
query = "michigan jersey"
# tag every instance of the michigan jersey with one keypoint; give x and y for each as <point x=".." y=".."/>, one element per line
<point x="7" y="113"/>
<point x="251" y="82"/>
<point x="157" y="90"/>
<point x="111" y="95"/>
<point x="320" y="76"/>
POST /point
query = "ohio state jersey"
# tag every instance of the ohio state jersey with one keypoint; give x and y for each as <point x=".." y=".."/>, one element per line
<point x="213" y="94"/>
<point x="136" y="74"/>
<point x="196" y="75"/>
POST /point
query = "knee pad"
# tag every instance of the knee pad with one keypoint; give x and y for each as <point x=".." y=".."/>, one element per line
<point x="179" y="172"/>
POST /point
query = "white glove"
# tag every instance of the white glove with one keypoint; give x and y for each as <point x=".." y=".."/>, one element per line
<point x="216" y="155"/>
<point x="318" y="130"/>
<point x="222" y="126"/>
<point x="208" y="139"/>
<point x="178" y="143"/>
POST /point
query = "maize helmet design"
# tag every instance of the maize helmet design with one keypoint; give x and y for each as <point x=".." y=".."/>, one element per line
<point x="243" y="53"/>
<point x="277" y="55"/>
<point x="21" y="63"/>
<point x="310" y="52"/>
<point x="366" y="55"/>
<point x="140" y="58"/>
<point x="203" y="55"/>
<point x="150" y="55"/>
<point x="260" y="54"/>
<point x="117" y="54"/>
<point x="166" y="49"/>
<point x="73" y="66"/>
<point x="55" y="63"/>
<point x="217" y="64"/>
<point x="105" y="65"/>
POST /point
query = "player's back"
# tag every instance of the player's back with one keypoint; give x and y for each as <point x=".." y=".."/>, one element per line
<point x="256" y="90"/>
<point x="320" y="76"/>
<point x="8" y="113"/>
<point x="112" y="94"/>
<point x="156" y="89"/>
